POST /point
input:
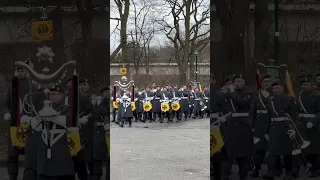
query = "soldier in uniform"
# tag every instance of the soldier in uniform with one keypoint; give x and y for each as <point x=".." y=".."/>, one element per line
<point x="239" y="130"/>
<point x="219" y="109"/>
<point x="197" y="103"/>
<point x="148" y="94"/>
<point x="206" y="99"/>
<point x="114" y="110"/>
<point x="260" y="122"/>
<point x="156" y="104"/>
<point x="280" y="106"/>
<point x="191" y="102"/>
<point x="85" y="108"/>
<point x="126" y="113"/>
<point x="15" y="152"/>
<point x="139" y="105"/>
<point x="33" y="136"/>
<point x="60" y="165"/>
<point x="165" y="95"/>
<point x="309" y="114"/>
<point x="99" y="119"/>
<point x="318" y="81"/>
<point x="175" y="94"/>
<point x="184" y="104"/>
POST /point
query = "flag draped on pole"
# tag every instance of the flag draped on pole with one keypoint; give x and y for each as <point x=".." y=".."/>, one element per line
<point x="258" y="79"/>
<point x="289" y="84"/>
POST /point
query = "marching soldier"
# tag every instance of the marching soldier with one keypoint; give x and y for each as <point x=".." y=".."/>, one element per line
<point x="156" y="104"/>
<point x="309" y="114"/>
<point x="191" y="102"/>
<point x="197" y="103"/>
<point x="165" y="95"/>
<point x="260" y="122"/>
<point x="283" y="112"/>
<point x="114" y="110"/>
<point x="85" y="109"/>
<point x="184" y="103"/>
<point x="99" y="119"/>
<point x="126" y="113"/>
<point x="239" y="130"/>
<point x="60" y="166"/>
<point x="148" y="95"/>
<point x="33" y="137"/>
<point x="175" y="95"/>
<point x="206" y="99"/>
<point x="219" y="109"/>
<point x="15" y="152"/>
<point x="139" y="105"/>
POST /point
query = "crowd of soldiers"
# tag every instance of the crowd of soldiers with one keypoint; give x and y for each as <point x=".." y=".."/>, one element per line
<point x="94" y="116"/>
<point x="266" y="125"/>
<point x="154" y="102"/>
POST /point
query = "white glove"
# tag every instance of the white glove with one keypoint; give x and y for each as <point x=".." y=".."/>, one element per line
<point x="266" y="136"/>
<point x="7" y="116"/>
<point x="231" y="88"/>
<point x="309" y="125"/>
<point x="222" y="119"/>
<point x="25" y="120"/>
<point x="83" y="120"/>
<point x="292" y="133"/>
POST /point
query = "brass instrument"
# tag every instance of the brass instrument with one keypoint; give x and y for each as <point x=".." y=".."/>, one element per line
<point x="124" y="86"/>
<point x="298" y="142"/>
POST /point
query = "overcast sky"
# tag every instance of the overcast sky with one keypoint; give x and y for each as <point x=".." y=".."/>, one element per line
<point x="159" y="38"/>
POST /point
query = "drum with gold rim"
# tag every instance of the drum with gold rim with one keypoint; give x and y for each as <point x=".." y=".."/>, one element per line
<point x="147" y="106"/>
<point x="175" y="106"/>
<point x="165" y="107"/>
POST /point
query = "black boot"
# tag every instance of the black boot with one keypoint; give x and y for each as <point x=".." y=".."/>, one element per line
<point x="269" y="175"/>
<point x="13" y="177"/>
<point x="254" y="173"/>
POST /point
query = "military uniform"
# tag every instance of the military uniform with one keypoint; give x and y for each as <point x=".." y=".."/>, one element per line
<point x="156" y="105"/>
<point x="206" y="100"/>
<point x="165" y="96"/>
<point x="139" y="105"/>
<point x="175" y="94"/>
<point x="309" y="118"/>
<point x="184" y="104"/>
<point x="99" y="119"/>
<point x="15" y="152"/>
<point x="197" y="104"/>
<point x="280" y="107"/>
<point x="33" y="138"/>
<point x="191" y="102"/>
<point x="239" y="130"/>
<point x="57" y="165"/>
<point x="260" y="122"/>
<point x="126" y="113"/>
<point x="219" y="108"/>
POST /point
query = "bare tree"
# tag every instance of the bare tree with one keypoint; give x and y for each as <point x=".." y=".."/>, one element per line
<point x="123" y="7"/>
<point x="142" y="32"/>
<point x="191" y="36"/>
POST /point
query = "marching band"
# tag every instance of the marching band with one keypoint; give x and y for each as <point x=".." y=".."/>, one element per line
<point x="63" y="134"/>
<point x="266" y="126"/>
<point x="152" y="103"/>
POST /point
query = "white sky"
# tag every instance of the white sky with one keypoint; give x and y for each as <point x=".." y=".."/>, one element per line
<point x="156" y="12"/>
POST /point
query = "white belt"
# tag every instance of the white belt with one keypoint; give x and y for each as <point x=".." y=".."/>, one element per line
<point x="215" y="115"/>
<point x="262" y="111"/>
<point x="184" y="98"/>
<point x="307" y="115"/>
<point x="279" y="119"/>
<point x="197" y="99"/>
<point x="156" y="98"/>
<point x="240" y="114"/>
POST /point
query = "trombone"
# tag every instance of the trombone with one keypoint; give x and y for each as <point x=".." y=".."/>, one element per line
<point x="296" y="143"/>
